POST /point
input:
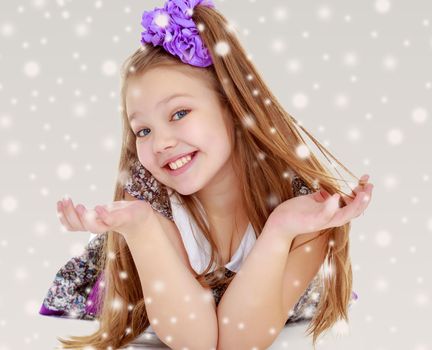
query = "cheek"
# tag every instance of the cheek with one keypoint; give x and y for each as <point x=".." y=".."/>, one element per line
<point x="195" y="136"/>
<point x="144" y="156"/>
<point x="217" y="140"/>
<point x="209" y="136"/>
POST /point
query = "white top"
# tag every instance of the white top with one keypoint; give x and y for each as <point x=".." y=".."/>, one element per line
<point x="199" y="249"/>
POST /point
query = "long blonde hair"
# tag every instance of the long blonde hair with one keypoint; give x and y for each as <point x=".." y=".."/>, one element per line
<point x="265" y="139"/>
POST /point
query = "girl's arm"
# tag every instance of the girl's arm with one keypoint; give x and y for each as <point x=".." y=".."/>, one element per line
<point x="256" y="304"/>
<point x="302" y="265"/>
<point x="181" y="312"/>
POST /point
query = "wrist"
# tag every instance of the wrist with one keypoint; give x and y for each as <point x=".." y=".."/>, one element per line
<point x="141" y="228"/>
<point x="276" y="224"/>
<point x="278" y="233"/>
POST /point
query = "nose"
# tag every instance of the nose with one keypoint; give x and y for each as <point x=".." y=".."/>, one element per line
<point x="162" y="141"/>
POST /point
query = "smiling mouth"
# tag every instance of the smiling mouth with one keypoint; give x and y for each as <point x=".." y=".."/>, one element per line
<point x="193" y="154"/>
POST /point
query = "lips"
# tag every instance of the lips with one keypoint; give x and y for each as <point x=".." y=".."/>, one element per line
<point x="179" y="157"/>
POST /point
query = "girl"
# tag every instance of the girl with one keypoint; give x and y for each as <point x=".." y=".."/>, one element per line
<point x="211" y="206"/>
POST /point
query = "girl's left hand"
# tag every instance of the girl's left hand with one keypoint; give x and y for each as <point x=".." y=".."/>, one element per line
<point x="319" y="210"/>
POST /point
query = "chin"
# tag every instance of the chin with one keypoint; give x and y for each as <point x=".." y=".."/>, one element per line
<point x="186" y="192"/>
<point x="170" y="189"/>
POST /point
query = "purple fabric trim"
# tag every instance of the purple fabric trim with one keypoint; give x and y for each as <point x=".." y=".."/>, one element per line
<point x="49" y="312"/>
<point x="93" y="304"/>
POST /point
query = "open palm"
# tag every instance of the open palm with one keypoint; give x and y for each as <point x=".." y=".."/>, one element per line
<point x="125" y="217"/>
<point x="318" y="210"/>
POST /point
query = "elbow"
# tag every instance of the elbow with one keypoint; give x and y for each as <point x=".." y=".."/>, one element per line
<point x="200" y="342"/>
<point x="237" y="344"/>
<point x="208" y="341"/>
<point x="231" y="339"/>
<point x="191" y="339"/>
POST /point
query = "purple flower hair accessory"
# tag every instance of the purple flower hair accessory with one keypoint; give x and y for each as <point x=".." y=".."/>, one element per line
<point x="173" y="28"/>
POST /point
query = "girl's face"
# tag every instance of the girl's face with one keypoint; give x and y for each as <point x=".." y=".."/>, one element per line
<point x="167" y="126"/>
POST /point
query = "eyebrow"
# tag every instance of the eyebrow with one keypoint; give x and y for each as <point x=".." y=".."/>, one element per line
<point x="165" y="100"/>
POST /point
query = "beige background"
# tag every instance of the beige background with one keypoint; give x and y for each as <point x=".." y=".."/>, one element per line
<point x="356" y="73"/>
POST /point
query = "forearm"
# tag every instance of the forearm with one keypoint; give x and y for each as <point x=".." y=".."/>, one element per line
<point x="181" y="312"/>
<point x="250" y="313"/>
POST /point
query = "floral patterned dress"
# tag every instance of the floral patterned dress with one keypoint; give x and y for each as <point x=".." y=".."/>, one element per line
<point x="75" y="288"/>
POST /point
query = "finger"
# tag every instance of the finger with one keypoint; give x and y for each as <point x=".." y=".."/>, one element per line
<point x="347" y="199"/>
<point x="363" y="180"/>
<point x="90" y="220"/>
<point x="330" y="206"/>
<point x="104" y="215"/>
<point x="72" y="216"/>
<point x="81" y="210"/>
<point x="366" y="199"/>
<point x="360" y="187"/>
<point x="112" y="218"/>
<point x="346" y="213"/>
<point x="62" y="217"/>
<point x="319" y="196"/>
<point x="361" y="183"/>
<point x="367" y="192"/>
<point x="325" y="194"/>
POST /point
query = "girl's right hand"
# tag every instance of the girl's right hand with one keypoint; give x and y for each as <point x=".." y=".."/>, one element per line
<point x="125" y="217"/>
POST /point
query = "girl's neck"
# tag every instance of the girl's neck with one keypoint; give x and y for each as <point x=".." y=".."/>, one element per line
<point x="222" y="200"/>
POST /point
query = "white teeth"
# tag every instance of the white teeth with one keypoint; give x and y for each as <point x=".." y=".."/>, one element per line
<point x="180" y="162"/>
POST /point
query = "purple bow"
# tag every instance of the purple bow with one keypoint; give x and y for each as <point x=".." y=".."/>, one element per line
<point x="173" y="28"/>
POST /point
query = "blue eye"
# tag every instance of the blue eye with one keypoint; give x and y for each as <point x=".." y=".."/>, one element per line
<point x="181" y="110"/>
